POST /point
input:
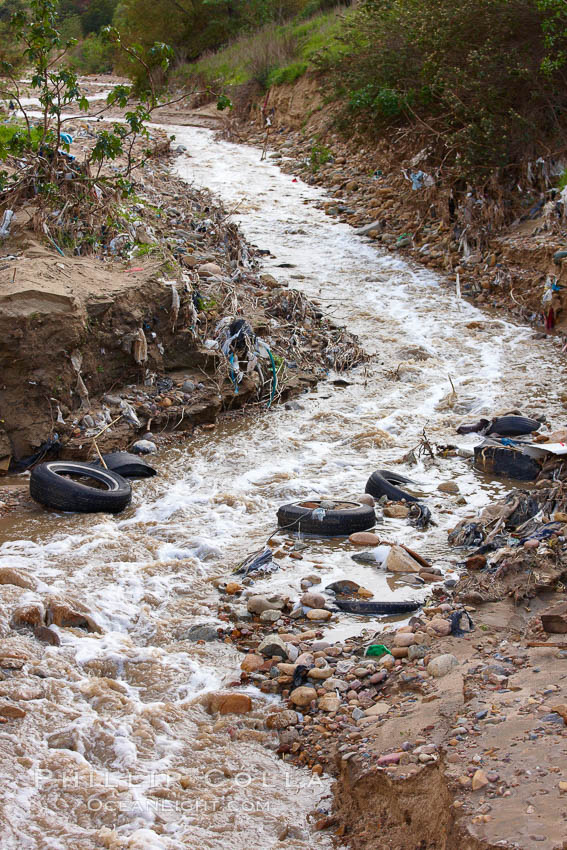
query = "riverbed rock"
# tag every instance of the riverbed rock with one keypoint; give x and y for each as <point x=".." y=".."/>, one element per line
<point x="202" y="631"/>
<point x="389" y="758"/>
<point x="449" y="487"/>
<point x="400" y="561"/>
<point x="344" y="586"/>
<point x="439" y="627"/>
<point x="144" y="447"/>
<point x="303" y="695"/>
<point x="270" y="616"/>
<point x="404" y="639"/>
<point x="47" y="635"/>
<point x="286" y="669"/>
<point x="252" y="662"/>
<point x="321" y="645"/>
<point x="399" y="651"/>
<point x="368" y="228"/>
<point x="366" y="499"/>
<point x="427" y="575"/>
<point x="269" y="281"/>
<point x="320" y="673"/>
<point x="274" y="645"/>
<point x="479" y="780"/>
<point x="259" y="604"/>
<point x="441" y="665"/>
<point x="395" y="511"/>
<point x="226" y="703"/>
<point x="379" y="709"/>
<point x="24" y="691"/>
<point x="364" y="538"/>
<point x="475" y="562"/>
<point x="292" y="652"/>
<point x="282" y="719"/>
<point x="14" y="712"/>
<point x="334" y="684"/>
<point x="319" y="614"/>
<point x="313" y="600"/>
<point x="329" y="702"/>
<point x="417" y="651"/>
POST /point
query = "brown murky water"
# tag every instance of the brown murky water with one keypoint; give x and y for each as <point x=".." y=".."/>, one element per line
<point x="116" y="749"/>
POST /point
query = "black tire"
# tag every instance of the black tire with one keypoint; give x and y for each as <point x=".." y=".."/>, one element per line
<point x="378" y="485"/>
<point x="49" y="487"/>
<point x="335" y="523"/>
<point x="513" y="426"/>
<point x="128" y="465"/>
<point x="369" y="608"/>
<point x="394" y="477"/>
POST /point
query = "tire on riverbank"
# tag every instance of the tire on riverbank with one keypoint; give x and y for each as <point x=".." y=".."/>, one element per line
<point x="383" y="483"/>
<point x="309" y="517"/>
<point x="76" y="487"/>
<point x="370" y="608"/>
<point x="127" y="465"/>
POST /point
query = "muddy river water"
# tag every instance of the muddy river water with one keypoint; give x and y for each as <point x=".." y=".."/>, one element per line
<point x="117" y="750"/>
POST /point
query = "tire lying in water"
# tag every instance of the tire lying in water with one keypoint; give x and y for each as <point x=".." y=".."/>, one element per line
<point x="310" y="518"/>
<point x="52" y="486"/>
<point x="353" y="606"/>
<point x="128" y="465"/>
<point x="513" y="426"/>
<point x="383" y="483"/>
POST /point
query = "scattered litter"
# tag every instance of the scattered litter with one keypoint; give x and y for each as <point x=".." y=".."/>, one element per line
<point x="257" y="562"/>
<point x="456" y="618"/>
<point x="6" y="221"/>
<point x="419" y="179"/>
<point x="506" y="460"/>
<point x="377" y="650"/>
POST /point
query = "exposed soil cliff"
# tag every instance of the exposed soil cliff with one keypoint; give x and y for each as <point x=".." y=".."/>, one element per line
<point x="132" y="335"/>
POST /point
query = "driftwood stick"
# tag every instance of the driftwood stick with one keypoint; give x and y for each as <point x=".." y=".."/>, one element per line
<point x="96" y="436"/>
<point x="99" y="454"/>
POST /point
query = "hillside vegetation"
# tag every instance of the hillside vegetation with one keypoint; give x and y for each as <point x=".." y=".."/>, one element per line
<point x="485" y="78"/>
<point x="484" y="81"/>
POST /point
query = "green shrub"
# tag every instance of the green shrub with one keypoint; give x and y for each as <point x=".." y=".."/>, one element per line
<point x="319" y="156"/>
<point x="92" y="56"/>
<point x="287" y="74"/>
<point x="479" y="74"/>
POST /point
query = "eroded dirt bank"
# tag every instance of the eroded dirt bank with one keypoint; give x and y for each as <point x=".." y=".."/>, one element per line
<point x="129" y="334"/>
